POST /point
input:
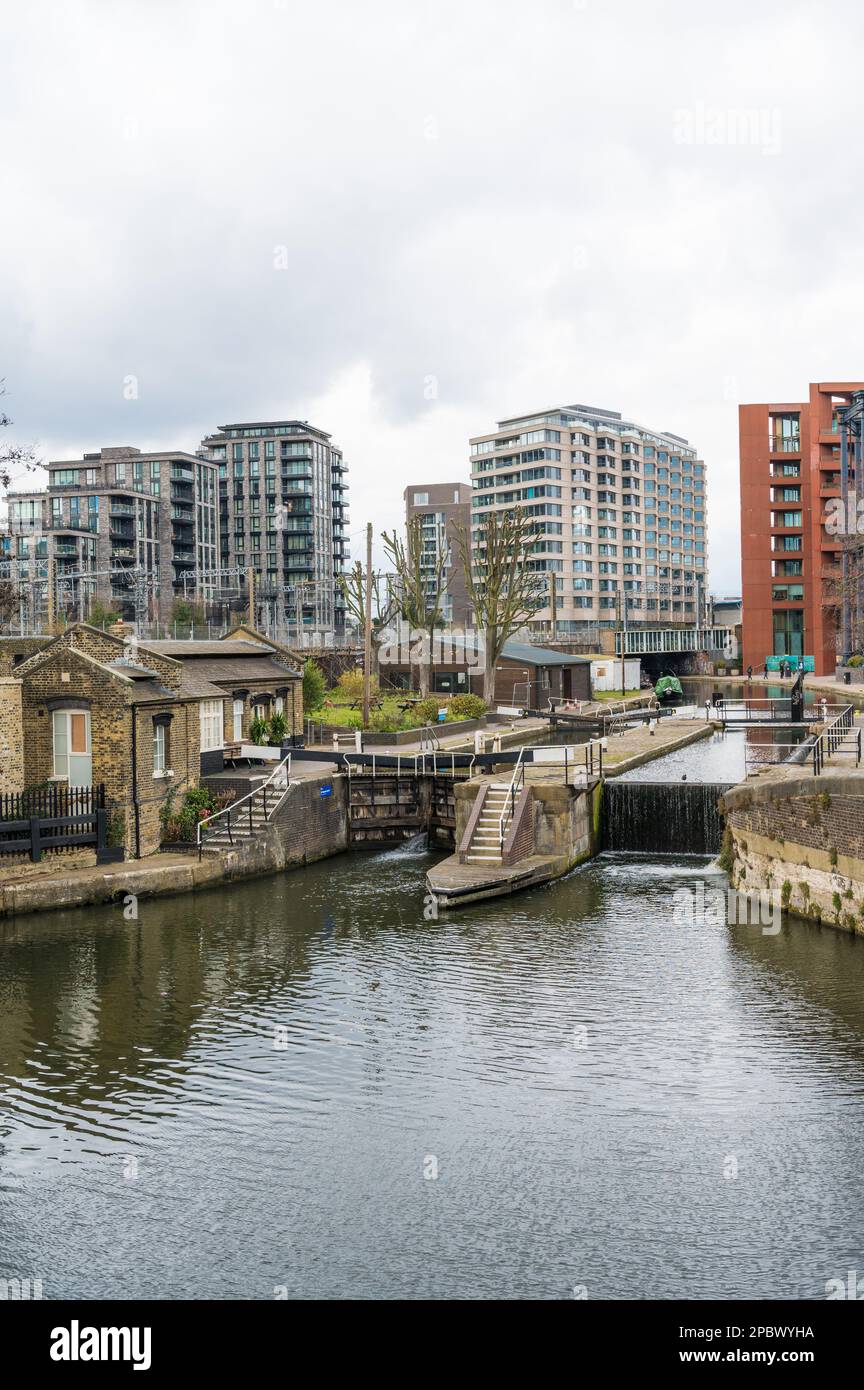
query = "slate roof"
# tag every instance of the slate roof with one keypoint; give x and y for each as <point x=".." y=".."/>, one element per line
<point x="182" y="651"/>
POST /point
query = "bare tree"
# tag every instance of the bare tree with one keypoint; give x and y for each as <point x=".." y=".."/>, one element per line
<point x="352" y="586"/>
<point x="421" y="587"/>
<point x="502" y="589"/>
<point x="14" y="460"/>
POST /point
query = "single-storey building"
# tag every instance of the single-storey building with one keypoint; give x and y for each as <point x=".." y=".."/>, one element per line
<point x="145" y="719"/>
<point x="606" y="672"/>
<point x="525" y="675"/>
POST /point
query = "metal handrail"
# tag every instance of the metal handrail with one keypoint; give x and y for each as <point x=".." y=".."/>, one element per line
<point x="518" y="778"/>
<point x="428" y="735"/>
<point x="284" y="766"/>
<point x="832" y="736"/>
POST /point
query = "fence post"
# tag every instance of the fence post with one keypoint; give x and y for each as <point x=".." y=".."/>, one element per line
<point x="101" y="828"/>
<point x="35" y="846"/>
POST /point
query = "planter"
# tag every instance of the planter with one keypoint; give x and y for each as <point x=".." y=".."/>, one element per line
<point x="111" y="854"/>
<point x="850" y="675"/>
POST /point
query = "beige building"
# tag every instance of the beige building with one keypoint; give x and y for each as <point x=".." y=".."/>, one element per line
<point x="620" y="514"/>
<point x="444" y="510"/>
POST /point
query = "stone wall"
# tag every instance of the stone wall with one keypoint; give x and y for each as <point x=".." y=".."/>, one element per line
<point x="566" y="819"/>
<point x="11" y="736"/>
<point x="803" y="838"/>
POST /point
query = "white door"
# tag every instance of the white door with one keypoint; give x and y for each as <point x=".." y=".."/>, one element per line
<point x="237" y="731"/>
<point x="73" y="752"/>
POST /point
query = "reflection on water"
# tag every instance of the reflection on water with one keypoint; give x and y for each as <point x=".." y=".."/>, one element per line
<point x="244" y="1089"/>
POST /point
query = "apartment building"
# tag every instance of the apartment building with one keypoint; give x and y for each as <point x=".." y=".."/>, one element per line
<point x="445" y="511"/>
<point x="791" y="565"/>
<point x="283" y="513"/>
<point x="620" y="513"/>
<point x="132" y="530"/>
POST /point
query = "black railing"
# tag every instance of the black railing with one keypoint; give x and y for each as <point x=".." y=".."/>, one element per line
<point x="52" y="817"/>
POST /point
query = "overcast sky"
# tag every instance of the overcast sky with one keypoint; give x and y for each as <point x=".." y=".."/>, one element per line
<point x="403" y="221"/>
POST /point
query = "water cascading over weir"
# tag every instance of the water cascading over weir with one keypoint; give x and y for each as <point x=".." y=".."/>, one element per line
<point x="663" y="817"/>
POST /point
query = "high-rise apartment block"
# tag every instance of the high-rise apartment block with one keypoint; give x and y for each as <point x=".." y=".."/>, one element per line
<point x="620" y="513"/>
<point x="128" y="529"/>
<point x="445" y="512"/>
<point x="791" y="563"/>
<point x="283" y="512"/>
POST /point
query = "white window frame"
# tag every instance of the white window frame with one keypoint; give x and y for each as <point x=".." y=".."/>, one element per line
<point x="237" y="709"/>
<point x="66" y="721"/>
<point x="160" y="749"/>
<point x="210" y="715"/>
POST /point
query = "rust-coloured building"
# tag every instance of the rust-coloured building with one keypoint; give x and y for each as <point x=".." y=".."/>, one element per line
<point x="790" y="564"/>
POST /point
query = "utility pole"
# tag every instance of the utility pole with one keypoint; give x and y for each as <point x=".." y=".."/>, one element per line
<point x="621" y="604"/>
<point x="250" y="581"/>
<point x="367" y="653"/>
<point x="51" y="604"/>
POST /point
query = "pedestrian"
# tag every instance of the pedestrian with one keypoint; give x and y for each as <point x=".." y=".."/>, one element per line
<point x="749" y="673"/>
<point x="765" y="672"/>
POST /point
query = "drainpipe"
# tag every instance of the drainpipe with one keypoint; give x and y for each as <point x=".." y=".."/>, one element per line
<point x="134" y="707"/>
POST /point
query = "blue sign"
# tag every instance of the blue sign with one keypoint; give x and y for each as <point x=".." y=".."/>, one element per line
<point x="327" y="790"/>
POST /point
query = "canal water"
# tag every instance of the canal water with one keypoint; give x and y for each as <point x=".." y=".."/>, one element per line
<point x="302" y="1086"/>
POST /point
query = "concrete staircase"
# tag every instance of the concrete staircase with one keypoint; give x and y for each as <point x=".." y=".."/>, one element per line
<point x="247" y="820"/>
<point x="485" y="846"/>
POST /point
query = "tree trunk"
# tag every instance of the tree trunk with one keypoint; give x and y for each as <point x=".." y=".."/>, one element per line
<point x="489" y="677"/>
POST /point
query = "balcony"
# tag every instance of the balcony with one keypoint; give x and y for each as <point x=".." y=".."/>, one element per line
<point x="786" y="444"/>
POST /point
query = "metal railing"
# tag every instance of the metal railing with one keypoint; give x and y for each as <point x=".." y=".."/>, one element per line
<point x="838" y="736"/>
<point x="415" y="763"/>
<point x="429" y="740"/>
<point x="764" y="709"/>
<point x="833" y="736"/>
<point x="278" y="782"/>
<point x="517" y="782"/>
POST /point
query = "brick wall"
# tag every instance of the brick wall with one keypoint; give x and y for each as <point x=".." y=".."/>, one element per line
<point x="805" y="840"/>
<point x="310" y="826"/>
<point x="11" y="736"/>
<point x="14" y="650"/>
<point x="183" y="750"/>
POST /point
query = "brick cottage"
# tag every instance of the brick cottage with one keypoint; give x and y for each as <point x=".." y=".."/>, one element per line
<point x="146" y="720"/>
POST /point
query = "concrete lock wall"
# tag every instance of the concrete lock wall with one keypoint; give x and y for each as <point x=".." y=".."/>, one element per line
<point x="804" y="839"/>
<point x="565" y="824"/>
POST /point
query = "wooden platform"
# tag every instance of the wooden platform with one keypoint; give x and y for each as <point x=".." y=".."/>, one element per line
<point x="453" y="884"/>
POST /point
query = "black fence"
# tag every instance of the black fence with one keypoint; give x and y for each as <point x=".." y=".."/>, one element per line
<point x="53" y="817"/>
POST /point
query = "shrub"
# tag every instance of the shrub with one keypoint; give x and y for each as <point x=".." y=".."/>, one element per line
<point x="350" y="685"/>
<point x="426" y="711"/>
<point x="278" y="728"/>
<point x="383" y="722"/>
<point x="314" y="686"/>
<point x="258" y="730"/>
<point x="466" y="707"/>
<point x="855" y="661"/>
<point x="196" y="805"/>
<point x="100" y="616"/>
